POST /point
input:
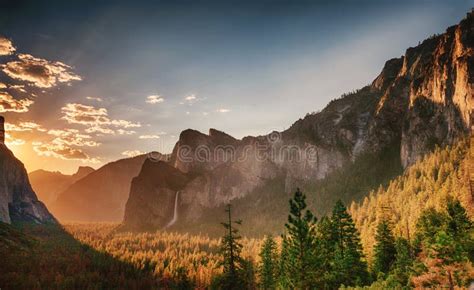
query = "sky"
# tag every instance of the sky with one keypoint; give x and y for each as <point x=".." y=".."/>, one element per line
<point x="89" y="82"/>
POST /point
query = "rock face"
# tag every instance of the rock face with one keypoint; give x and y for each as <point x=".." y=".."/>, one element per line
<point x="419" y="100"/>
<point x="18" y="201"/>
<point x="48" y="185"/>
<point x="102" y="194"/>
<point x="156" y="209"/>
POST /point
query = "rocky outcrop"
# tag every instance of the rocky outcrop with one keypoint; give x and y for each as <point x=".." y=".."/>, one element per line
<point x="18" y="201"/>
<point x="419" y="100"/>
<point x="48" y="185"/>
<point x="102" y="194"/>
<point x="153" y="210"/>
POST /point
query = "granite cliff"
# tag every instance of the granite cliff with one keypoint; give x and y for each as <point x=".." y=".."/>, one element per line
<point x="18" y="201"/>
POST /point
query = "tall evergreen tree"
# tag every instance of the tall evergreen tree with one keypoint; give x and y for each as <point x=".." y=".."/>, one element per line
<point x="325" y="253"/>
<point x="232" y="262"/>
<point x="268" y="268"/>
<point x="384" y="250"/>
<point x="283" y="281"/>
<point x="401" y="269"/>
<point x="350" y="268"/>
<point x="301" y="226"/>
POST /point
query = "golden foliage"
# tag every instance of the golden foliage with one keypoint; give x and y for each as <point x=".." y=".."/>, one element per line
<point x="166" y="252"/>
<point x="427" y="183"/>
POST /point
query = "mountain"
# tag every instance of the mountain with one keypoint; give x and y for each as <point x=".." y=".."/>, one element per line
<point x="419" y="101"/>
<point x="49" y="184"/>
<point x="18" y="201"/>
<point x="102" y="194"/>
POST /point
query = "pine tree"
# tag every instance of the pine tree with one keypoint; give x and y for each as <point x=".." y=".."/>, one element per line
<point x="459" y="224"/>
<point x="461" y="227"/>
<point x="283" y="278"/>
<point x="401" y="269"/>
<point x="268" y="268"/>
<point x="232" y="262"/>
<point x="301" y="266"/>
<point x="349" y="266"/>
<point x="325" y="248"/>
<point x="384" y="250"/>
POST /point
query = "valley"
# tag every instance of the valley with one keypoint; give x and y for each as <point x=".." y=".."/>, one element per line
<point x="374" y="191"/>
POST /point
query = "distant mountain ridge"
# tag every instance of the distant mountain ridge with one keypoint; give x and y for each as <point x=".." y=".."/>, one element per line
<point x="423" y="99"/>
<point x="48" y="185"/>
<point x="100" y="195"/>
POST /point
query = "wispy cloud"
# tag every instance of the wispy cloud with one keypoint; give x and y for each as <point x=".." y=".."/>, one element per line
<point x="62" y="151"/>
<point x="97" y="99"/>
<point x="132" y="153"/>
<point x="6" y="46"/>
<point x="154" y="99"/>
<point x="24" y="127"/>
<point x="12" y="141"/>
<point x="39" y="72"/>
<point x="223" y="110"/>
<point x="72" y="137"/>
<point x="190" y="100"/>
<point x="149" y="137"/>
<point x="9" y="104"/>
<point x="96" y="119"/>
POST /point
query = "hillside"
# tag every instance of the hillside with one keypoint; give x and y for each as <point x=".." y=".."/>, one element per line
<point x="426" y="184"/>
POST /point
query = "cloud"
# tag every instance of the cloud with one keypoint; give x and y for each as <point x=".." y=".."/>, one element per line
<point x="154" y="99"/>
<point x="12" y="141"/>
<point x="6" y="46"/>
<point x="24" y="127"/>
<point x="222" y="110"/>
<point x="39" y="72"/>
<point x="132" y="153"/>
<point x="149" y="137"/>
<point x="62" y="151"/>
<point x="72" y="137"/>
<point x="9" y="104"/>
<point x="190" y="99"/>
<point x="125" y="132"/>
<point x="96" y="118"/>
<point x="3" y="86"/>
<point x="97" y="99"/>
<point x="20" y="88"/>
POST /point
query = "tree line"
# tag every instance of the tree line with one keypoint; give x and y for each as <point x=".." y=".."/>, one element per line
<point x="327" y="253"/>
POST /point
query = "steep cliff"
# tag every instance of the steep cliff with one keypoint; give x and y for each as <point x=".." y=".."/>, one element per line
<point x="18" y="201"/>
<point x="418" y="101"/>
<point x="154" y="210"/>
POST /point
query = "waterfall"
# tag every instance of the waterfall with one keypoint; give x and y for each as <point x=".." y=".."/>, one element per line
<point x="175" y="214"/>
